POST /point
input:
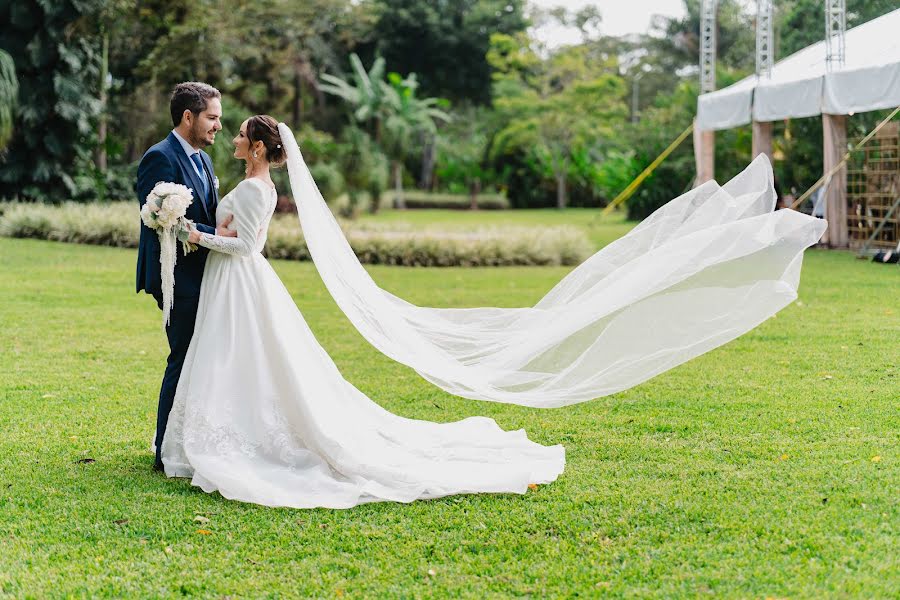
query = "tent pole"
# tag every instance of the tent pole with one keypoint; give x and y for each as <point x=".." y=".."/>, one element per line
<point x="762" y="139"/>
<point x="834" y="133"/>
<point x="705" y="155"/>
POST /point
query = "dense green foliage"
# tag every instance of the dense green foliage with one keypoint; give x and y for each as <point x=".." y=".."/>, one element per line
<point x="767" y="468"/>
<point x="441" y="96"/>
<point x="445" y="42"/>
<point x="9" y="92"/>
<point x="56" y="63"/>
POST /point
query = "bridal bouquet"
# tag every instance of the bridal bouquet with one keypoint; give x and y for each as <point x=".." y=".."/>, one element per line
<point x="164" y="213"/>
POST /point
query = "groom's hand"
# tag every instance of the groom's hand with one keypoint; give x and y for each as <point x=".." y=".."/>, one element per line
<point x="223" y="228"/>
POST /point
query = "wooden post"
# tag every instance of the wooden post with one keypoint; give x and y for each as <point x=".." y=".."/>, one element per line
<point x="704" y="155"/>
<point x="834" y="133"/>
<point x="762" y="139"/>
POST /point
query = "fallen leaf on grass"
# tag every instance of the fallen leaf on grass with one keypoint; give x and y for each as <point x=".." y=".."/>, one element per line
<point x="201" y="519"/>
<point x="120" y="521"/>
<point x="532" y="486"/>
<point x="783" y="457"/>
<point x="85" y="461"/>
<point x="432" y="572"/>
<point x="876" y="459"/>
<point x="204" y="532"/>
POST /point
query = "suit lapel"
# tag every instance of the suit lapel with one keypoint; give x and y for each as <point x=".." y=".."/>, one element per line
<point x="188" y="167"/>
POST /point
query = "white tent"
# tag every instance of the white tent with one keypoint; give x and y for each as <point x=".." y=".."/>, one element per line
<point x="803" y="85"/>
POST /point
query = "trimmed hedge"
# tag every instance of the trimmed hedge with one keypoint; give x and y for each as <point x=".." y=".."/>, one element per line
<point x="418" y="199"/>
<point x="117" y="224"/>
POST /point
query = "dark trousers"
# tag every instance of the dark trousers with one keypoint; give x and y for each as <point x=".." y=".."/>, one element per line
<point x="179" y="331"/>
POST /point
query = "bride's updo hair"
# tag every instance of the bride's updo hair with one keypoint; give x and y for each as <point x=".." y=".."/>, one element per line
<point x="263" y="128"/>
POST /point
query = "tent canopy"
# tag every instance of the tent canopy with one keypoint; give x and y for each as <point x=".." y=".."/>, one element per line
<point x="802" y="86"/>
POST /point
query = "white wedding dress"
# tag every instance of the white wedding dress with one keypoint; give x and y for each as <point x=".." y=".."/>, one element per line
<point x="262" y="415"/>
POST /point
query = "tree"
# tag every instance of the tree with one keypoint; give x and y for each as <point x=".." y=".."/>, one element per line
<point x="573" y="119"/>
<point x="364" y="93"/>
<point x="393" y="113"/>
<point x="676" y="41"/>
<point x="445" y="43"/>
<point x="551" y="109"/>
<point x="57" y="58"/>
<point x="462" y="148"/>
<point x="9" y="90"/>
<point x="406" y="117"/>
<point x="364" y="167"/>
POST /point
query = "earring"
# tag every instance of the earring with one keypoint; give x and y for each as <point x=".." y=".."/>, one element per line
<point x="255" y="155"/>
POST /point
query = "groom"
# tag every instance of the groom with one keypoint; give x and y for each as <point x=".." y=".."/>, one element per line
<point x="196" y="110"/>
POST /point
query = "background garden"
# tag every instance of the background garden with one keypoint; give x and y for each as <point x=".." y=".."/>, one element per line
<point x="455" y="103"/>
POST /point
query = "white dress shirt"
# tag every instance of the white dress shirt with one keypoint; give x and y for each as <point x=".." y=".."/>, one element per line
<point x="189" y="150"/>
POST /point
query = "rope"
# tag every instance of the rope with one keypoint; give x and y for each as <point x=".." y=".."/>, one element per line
<point x="630" y="189"/>
<point x="827" y="176"/>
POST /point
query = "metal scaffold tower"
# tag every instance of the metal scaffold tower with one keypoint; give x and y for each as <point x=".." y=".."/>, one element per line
<point x="835" y="29"/>
<point x="765" y="44"/>
<point x="707" y="46"/>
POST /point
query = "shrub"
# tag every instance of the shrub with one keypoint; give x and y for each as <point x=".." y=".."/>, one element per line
<point x="117" y="224"/>
<point x="419" y="199"/>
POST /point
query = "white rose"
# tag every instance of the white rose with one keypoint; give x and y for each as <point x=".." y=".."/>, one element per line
<point x="165" y="188"/>
<point x="147" y="216"/>
<point x="166" y="216"/>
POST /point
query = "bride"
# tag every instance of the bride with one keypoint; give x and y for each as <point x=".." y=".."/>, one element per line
<point x="262" y="414"/>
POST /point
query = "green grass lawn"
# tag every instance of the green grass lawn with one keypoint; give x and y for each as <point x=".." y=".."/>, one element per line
<point x="766" y="468"/>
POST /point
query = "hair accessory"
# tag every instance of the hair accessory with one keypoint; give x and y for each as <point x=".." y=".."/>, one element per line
<point x="278" y="145"/>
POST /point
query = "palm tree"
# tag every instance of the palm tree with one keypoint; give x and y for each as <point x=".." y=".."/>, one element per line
<point x="9" y="90"/>
<point x="365" y="94"/>
<point x="391" y="109"/>
<point x="407" y="117"/>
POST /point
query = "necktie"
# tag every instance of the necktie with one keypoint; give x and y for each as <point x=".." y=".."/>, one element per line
<point x="196" y="158"/>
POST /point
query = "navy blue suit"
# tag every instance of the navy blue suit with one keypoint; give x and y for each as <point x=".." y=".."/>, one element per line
<point x="166" y="161"/>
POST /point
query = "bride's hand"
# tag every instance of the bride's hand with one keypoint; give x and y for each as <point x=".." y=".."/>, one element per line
<point x="194" y="236"/>
<point x="223" y="230"/>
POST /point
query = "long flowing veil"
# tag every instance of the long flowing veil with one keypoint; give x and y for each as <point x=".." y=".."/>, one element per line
<point x="699" y="272"/>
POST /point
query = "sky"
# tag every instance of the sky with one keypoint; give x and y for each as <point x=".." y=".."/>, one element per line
<point x="620" y="17"/>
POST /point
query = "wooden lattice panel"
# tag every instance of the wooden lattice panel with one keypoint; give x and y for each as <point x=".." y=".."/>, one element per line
<point x="873" y="186"/>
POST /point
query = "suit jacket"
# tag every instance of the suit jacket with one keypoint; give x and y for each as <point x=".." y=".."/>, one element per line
<point x="166" y="161"/>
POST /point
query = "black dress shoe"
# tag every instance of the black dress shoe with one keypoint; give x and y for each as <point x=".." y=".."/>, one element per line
<point x="158" y="466"/>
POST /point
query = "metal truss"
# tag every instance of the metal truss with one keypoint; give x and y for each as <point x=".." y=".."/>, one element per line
<point x="835" y="30"/>
<point x="707" y="46"/>
<point x="765" y="41"/>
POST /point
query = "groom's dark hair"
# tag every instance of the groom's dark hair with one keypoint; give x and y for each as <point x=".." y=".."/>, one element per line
<point x="190" y="95"/>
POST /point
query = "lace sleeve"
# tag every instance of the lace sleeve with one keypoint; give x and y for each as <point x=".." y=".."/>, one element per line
<point x="249" y="211"/>
<point x="227" y="245"/>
